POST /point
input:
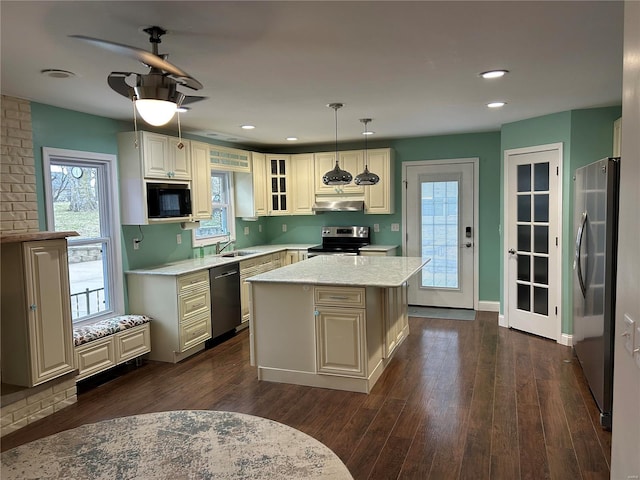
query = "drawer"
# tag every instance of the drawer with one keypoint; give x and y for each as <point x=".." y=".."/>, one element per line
<point x="194" y="304"/>
<point x="194" y="332"/>
<point x="340" y="297"/>
<point x="132" y="343"/>
<point x="95" y="356"/>
<point x="255" y="262"/>
<point x="193" y="281"/>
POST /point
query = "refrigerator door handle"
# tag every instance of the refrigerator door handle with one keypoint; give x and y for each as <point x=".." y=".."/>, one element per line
<point x="577" y="266"/>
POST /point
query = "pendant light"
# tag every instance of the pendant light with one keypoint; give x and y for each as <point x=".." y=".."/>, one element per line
<point x="366" y="177"/>
<point x="337" y="176"/>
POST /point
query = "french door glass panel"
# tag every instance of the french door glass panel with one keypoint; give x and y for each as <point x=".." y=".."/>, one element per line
<point x="533" y="238"/>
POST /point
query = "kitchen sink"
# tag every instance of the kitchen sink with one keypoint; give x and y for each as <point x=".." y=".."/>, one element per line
<point x="237" y="253"/>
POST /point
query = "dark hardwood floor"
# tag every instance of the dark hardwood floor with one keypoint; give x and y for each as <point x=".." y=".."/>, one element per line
<point x="461" y="399"/>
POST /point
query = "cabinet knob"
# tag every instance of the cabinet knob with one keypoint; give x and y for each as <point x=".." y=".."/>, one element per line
<point x="33" y="307"/>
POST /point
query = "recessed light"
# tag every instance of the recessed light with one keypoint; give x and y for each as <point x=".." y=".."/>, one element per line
<point x="494" y="73"/>
<point x="292" y="139"/>
<point x="182" y="109"/>
<point x="368" y="132"/>
<point x="56" y="73"/>
<point x="496" y="104"/>
<point x="247" y="127"/>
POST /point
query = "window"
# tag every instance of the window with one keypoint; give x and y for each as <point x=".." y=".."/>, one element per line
<point x="80" y="196"/>
<point x="221" y="226"/>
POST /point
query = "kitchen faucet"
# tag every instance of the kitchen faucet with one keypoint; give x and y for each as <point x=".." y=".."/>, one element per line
<point x="219" y="248"/>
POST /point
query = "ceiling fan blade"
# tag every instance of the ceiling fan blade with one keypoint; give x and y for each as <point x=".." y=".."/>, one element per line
<point x="116" y="81"/>
<point x="148" y="58"/>
<point x="191" y="99"/>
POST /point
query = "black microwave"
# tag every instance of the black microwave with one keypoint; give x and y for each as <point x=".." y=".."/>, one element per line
<point x="166" y="200"/>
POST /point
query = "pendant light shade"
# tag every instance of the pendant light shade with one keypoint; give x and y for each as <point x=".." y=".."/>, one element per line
<point x="366" y="177"/>
<point x="156" y="112"/>
<point x="337" y="176"/>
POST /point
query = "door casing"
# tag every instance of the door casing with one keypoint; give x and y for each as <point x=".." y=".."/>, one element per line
<point x="476" y="197"/>
<point x="503" y="319"/>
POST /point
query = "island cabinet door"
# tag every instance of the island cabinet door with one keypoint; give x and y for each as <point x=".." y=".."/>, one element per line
<point x="396" y="320"/>
<point x="340" y="334"/>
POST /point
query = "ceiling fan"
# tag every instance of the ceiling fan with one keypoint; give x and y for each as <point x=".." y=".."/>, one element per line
<point x="155" y="94"/>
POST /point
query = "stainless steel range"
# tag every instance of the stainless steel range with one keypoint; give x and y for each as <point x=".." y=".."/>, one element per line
<point x="341" y="241"/>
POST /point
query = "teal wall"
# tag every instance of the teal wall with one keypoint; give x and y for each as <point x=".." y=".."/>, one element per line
<point x="584" y="133"/>
<point x="586" y="136"/>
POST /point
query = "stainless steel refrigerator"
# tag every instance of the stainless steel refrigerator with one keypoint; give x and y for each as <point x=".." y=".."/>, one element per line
<point x="594" y="290"/>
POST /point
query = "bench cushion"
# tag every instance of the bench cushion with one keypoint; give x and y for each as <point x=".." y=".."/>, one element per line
<point x="87" y="333"/>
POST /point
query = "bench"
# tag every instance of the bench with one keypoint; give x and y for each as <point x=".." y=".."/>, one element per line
<point x="107" y="343"/>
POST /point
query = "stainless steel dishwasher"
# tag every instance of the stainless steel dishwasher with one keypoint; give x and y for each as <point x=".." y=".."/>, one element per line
<point x="226" y="312"/>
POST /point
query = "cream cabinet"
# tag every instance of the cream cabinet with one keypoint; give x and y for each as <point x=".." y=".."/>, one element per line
<point x="379" y="198"/>
<point x="254" y="266"/>
<point x="251" y="189"/>
<point x="340" y="331"/>
<point x="396" y="318"/>
<point x="302" y="184"/>
<point x="278" y="179"/>
<point x="37" y="334"/>
<point x="294" y="256"/>
<point x="181" y="310"/>
<point x="162" y="157"/>
<point x="201" y="183"/>
<point x="351" y="161"/>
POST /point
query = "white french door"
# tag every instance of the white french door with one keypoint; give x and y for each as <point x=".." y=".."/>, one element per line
<point x="440" y="207"/>
<point x="532" y="215"/>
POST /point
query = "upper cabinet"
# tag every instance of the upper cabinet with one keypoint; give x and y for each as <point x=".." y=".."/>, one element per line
<point x="201" y="184"/>
<point x="164" y="157"/>
<point x="302" y="182"/>
<point x="278" y="183"/>
<point x="352" y="161"/>
<point x="379" y="198"/>
<point x="250" y="189"/>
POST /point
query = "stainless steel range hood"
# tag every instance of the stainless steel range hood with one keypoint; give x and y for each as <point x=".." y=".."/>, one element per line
<point x="339" y="206"/>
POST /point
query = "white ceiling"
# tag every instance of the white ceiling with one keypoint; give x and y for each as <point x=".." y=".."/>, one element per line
<point x="410" y="66"/>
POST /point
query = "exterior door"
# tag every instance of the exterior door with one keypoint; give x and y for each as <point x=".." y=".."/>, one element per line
<point x="532" y="216"/>
<point x="440" y="226"/>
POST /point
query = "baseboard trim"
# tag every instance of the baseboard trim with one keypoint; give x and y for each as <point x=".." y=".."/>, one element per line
<point x="502" y="321"/>
<point x="486" y="306"/>
<point x="566" y="339"/>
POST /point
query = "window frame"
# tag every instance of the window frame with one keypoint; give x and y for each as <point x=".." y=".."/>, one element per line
<point x="231" y="223"/>
<point x="110" y="220"/>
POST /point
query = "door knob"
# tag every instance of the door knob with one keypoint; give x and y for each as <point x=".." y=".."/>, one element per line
<point x="512" y="251"/>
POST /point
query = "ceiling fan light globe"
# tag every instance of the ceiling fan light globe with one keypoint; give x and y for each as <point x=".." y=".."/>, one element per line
<point x="156" y="112"/>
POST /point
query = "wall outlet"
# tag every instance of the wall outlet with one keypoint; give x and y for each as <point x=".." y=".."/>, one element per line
<point x="246" y="230"/>
<point x="376" y="227"/>
<point x="395" y="227"/>
<point x="284" y="227"/>
<point x="178" y="238"/>
<point x="628" y="330"/>
<point x="136" y="243"/>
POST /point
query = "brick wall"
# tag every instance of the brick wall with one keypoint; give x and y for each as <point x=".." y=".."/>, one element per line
<point x="18" y="202"/>
<point x="19" y="214"/>
<point x="41" y="403"/>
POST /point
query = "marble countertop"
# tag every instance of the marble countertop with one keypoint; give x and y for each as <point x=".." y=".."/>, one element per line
<point x="32" y="236"/>
<point x="191" y="265"/>
<point x="345" y="271"/>
<point x="379" y="248"/>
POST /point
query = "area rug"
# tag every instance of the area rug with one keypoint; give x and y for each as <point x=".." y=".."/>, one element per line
<point x="446" y="313"/>
<point x="187" y="444"/>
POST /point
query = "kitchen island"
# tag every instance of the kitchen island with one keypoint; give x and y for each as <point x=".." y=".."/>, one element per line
<point x="330" y="321"/>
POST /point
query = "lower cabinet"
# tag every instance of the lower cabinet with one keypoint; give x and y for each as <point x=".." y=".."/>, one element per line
<point x="254" y="266"/>
<point x="340" y="330"/>
<point x="37" y="337"/>
<point x="396" y="318"/>
<point x="181" y="310"/>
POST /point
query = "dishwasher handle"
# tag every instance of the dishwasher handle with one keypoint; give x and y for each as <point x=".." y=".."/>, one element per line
<point x="226" y="274"/>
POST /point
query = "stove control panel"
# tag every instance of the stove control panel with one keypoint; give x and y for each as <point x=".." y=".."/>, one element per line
<point x="345" y="232"/>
